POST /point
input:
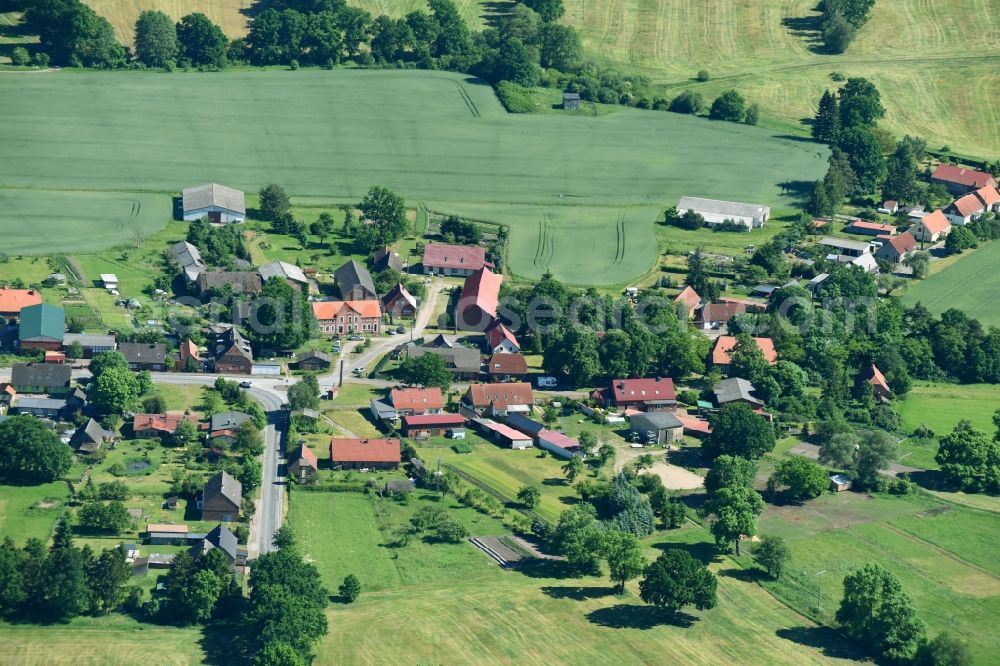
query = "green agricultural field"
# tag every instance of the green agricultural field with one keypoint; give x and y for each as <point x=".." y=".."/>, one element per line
<point x="941" y="552"/>
<point x="574" y="190"/>
<point x="31" y="511"/>
<point x="942" y="406"/>
<point x="43" y="221"/>
<point x="969" y="284"/>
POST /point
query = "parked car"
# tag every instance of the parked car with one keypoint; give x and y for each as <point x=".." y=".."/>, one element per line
<point x="401" y="329"/>
<point x="358" y="371"/>
<point x="455" y="433"/>
<point x="246" y="383"/>
<point x="356" y="338"/>
<point x="546" y="382"/>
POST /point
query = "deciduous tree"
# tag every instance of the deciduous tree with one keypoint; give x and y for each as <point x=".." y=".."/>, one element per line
<point x="676" y="580"/>
<point x="879" y="615"/>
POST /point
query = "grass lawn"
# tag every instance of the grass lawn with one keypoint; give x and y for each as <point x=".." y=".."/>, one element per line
<point x="969" y="284"/>
<point x="180" y="398"/>
<point x="598" y="181"/>
<point x="942" y="553"/>
<point x="112" y="639"/>
<point x="32" y="270"/>
<point x="942" y="406"/>
<point x="103" y="304"/>
<point x="31" y="511"/>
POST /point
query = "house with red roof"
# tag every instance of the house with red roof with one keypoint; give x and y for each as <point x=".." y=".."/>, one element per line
<point x="866" y="228"/>
<point x="654" y="394"/>
<point x="188" y="350"/>
<point x="506" y="367"/>
<point x="499" y="399"/>
<point x="880" y="387"/>
<point x="898" y="248"/>
<point x="500" y="340"/>
<point x="559" y="443"/>
<point x="302" y="464"/>
<point x="13" y="300"/>
<point x="965" y="209"/>
<point x="688" y="298"/>
<point x="889" y="207"/>
<point x="960" y="180"/>
<point x="931" y="228"/>
<point x="990" y="196"/>
<point x="340" y="317"/>
<point x="357" y="453"/>
<point x="431" y="425"/>
<point x="416" y="400"/>
<point x="725" y="343"/>
<point x="146" y="426"/>
<point x="477" y="305"/>
<point x="399" y="302"/>
<point x="713" y="316"/>
<point x="464" y="260"/>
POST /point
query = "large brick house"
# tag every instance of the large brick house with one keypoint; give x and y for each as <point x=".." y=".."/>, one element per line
<point x="12" y="301"/>
<point x="646" y="395"/>
<point x="477" y="305"/>
<point x="499" y="399"/>
<point x="408" y="401"/>
<point x="145" y="356"/>
<point x="340" y="317"/>
<point x="222" y="499"/>
<point x="232" y="353"/>
<point x="356" y="453"/>
<point x="461" y="260"/>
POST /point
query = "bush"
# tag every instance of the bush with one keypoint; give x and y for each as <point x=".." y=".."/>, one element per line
<point x="687" y="102"/>
<point x="20" y="56"/>
<point x="515" y="98"/>
<point x="350" y="589"/>
<point x="42" y="59"/>
<point x="702" y="75"/>
<point x="293" y="65"/>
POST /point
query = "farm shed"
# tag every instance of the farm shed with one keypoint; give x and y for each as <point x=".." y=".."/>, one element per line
<point x="559" y="443"/>
<point x="216" y="202"/>
<point x="571" y="101"/>
<point x="431" y="425"/>
<point x="657" y="427"/>
<point x="716" y="212"/>
<point x="502" y="434"/>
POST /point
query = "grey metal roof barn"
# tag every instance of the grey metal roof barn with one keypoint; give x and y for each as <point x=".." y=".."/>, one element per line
<point x="188" y="258"/>
<point x="206" y="199"/>
<point x="283" y="270"/>
<point x="735" y="389"/>
<point x="654" y="421"/>
<point x="354" y="281"/>
<point x="715" y="211"/>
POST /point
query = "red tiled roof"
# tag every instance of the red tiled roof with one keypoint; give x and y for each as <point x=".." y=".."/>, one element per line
<point x="871" y="226"/>
<point x="305" y="455"/>
<point x="12" y="300"/>
<point x="329" y="310"/>
<point x="501" y="395"/>
<point x="750" y="305"/>
<point x="962" y="176"/>
<point x="189" y="350"/>
<point x="903" y="243"/>
<point x="967" y="205"/>
<point x="497" y="333"/>
<point x="725" y="343"/>
<point x="889" y="204"/>
<point x="694" y="424"/>
<point x="8" y="389"/>
<point x="353" y="449"/>
<point x="721" y="311"/>
<point x="936" y="222"/>
<point x="689" y="297"/>
<point x="876" y="377"/>
<point x="54" y="357"/>
<point x="988" y="195"/>
<point x="162" y="422"/>
<point x="562" y="440"/>
<point x="506" y="431"/>
<point x="417" y="399"/>
<point x="433" y="420"/>
<point x="471" y="257"/>
<point x="482" y="289"/>
<point x="642" y="390"/>
<point x="507" y="364"/>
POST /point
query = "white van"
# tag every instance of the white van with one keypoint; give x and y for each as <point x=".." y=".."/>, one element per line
<point x="546" y="382"/>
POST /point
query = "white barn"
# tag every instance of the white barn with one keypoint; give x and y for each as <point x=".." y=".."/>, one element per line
<point x="216" y="202"/>
<point x="716" y="212"/>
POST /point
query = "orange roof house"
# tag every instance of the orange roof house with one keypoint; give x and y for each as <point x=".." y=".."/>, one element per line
<point x="13" y="300"/>
<point x="990" y="196"/>
<point x="725" y="343"/>
<point x="477" y="304"/>
<point x="689" y="298"/>
<point x="354" y="452"/>
<point x="932" y="227"/>
<point x="329" y="310"/>
<point x="155" y="425"/>
<point x="417" y="400"/>
<point x="880" y="387"/>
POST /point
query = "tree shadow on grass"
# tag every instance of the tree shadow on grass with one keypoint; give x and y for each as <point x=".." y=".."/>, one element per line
<point x="704" y="552"/>
<point x="687" y="457"/>
<point x="577" y="592"/>
<point x="929" y="479"/>
<point x="632" y="616"/>
<point x="745" y="575"/>
<point x="222" y="645"/>
<point x="826" y="640"/>
<point x="542" y="568"/>
<point x="554" y="481"/>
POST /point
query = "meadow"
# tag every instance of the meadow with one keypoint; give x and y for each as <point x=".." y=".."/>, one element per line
<point x="563" y="184"/>
<point x="969" y="284"/>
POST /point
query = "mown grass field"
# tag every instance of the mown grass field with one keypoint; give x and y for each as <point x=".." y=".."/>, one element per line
<point x="942" y="406"/>
<point x="31" y="511"/>
<point x="569" y="187"/>
<point x="969" y="284"/>
<point x="942" y="553"/>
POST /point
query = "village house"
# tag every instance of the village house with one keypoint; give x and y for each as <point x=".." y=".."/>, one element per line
<point x="356" y="453"/>
<point x="48" y="408"/>
<point x="499" y="339"/>
<point x="653" y="394"/>
<point x="51" y="378"/>
<point x="689" y="299"/>
<point x="227" y="421"/>
<point x="865" y="228"/>
<point x="960" y="180"/>
<point x="12" y="301"/>
<point x="340" y="317"/>
<point x="462" y="260"/>
<point x="312" y="361"/>
<point x="889" y="207"/>
<point x="385" y="258"/>
<point x="246" y="283"/>
<point x="90" y="343"/>
<point x="713" y="316"/>
<point x="189" y="357"/>
<point x="216" y="202"/>
<point x="932" y="228"/>
<point x="225" y="541"/>
<point x="898" y="248"/>
<point x="965" y="209"/>
<point x="477" y="304"/>
<point x="42" y="327"/>
<point x="222" y="499"/>
<point x="399" y="303"/>
<point x="656" y="427"/>
<point x="290" y="273"/>
<point x="725" y="343"/>
<point x="499" y="399"/>
<point x="165" y="534"/>
<point x="232" y="352"/>
<point x="146" y="426"/>
<point x="880" y="387"/>
<point x="407" y="401"/>
<point x="715" y="212"/>
<point x="507" y="367"/>
<point x="462" y="362"/>
<point x="355" y="282"/>
<point x="736" y="389"/>
<point x="145" y="356"/>
<point x="90" y="437"/>
<point x="431" y="425"/>
<point x="843" y="247"/>
<point x="990" y="196"/>
<point x="188" y="259"/>
<point x="302" y="464"/>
